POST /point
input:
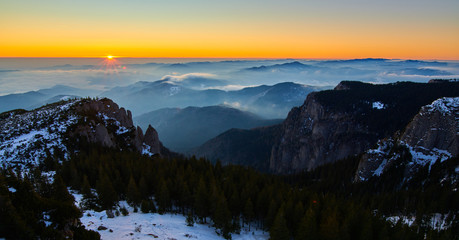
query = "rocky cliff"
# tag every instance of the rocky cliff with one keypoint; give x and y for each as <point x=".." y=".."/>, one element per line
<point x="348" y="120"/>
<point x="313" y="135"/>
<point x="57" y="130"/>
<point x="432" y="135"/>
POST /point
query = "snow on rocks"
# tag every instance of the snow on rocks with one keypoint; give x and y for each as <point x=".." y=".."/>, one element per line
<point x="446" y="105"/>
<point x="378" y="105"/>
<point x="436" y="221"/>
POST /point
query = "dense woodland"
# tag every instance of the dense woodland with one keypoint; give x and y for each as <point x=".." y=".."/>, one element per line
<point x="322" y="204"/>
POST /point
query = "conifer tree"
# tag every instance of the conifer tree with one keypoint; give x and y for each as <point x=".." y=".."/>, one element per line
<point x="60" y="192"/>
<point x="190" y="219"/>
<point x="133" y="193"/>
<point x="201" y="204"/>
<point x="163" y="197"/>
<point x="329" y="226"/>
<point x="105" y="192"/>
<point x="248" y="212"/>
<point x="279" y="229"/>
<point x="307" y="229"/>
<point x="222" y="217"/>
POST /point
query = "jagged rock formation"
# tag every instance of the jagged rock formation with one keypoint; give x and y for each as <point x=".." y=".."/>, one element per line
<point x="59" y="129"/>
<point x="432" y="135"/>
<point x="104" y="114"/>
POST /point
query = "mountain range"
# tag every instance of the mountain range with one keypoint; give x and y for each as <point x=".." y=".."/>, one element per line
<point x="267" y="101"/>
<point x="197" y="124"/>
<point x="367" y="154"/>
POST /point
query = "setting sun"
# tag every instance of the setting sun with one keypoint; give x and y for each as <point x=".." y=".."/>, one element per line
<point x="110" y="57"/>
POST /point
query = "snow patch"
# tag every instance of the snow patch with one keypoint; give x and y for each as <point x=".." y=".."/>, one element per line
<point x="154" y="226"/>
<point x="378" y="105"/>
<point x="423" y="156"/>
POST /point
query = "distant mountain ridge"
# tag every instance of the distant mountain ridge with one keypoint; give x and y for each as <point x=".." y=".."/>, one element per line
<point x="187" y="128"/>
<point x="34" y="99"/>
<point x="267" y="101"/>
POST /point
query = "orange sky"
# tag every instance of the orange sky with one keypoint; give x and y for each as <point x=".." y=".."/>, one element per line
<point x="240" y="29"/>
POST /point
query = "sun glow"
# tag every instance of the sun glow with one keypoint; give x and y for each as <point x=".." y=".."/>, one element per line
<point x="110" y="64"/>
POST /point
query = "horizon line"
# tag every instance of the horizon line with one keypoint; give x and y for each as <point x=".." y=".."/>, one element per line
<point x="249" y="58"/>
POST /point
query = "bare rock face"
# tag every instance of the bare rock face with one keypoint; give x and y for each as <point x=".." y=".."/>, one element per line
<point x="151" y="139"/>
<point x="436" y="126"/>
<point x="432" y="135"/>
<point x="314" y="135"/>
<point x="103" y="122"/>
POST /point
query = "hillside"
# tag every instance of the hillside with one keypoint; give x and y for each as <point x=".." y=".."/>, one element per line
<point x="197" y="124"/>
<point x="124" y="179"/>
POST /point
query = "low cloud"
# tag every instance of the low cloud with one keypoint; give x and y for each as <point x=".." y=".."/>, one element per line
<point x="181" y="78"/>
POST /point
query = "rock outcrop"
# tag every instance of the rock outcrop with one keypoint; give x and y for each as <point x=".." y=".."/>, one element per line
<point x="432" y="135"/>
<point x="104" y="122"/>
<point x="435" y="127"/>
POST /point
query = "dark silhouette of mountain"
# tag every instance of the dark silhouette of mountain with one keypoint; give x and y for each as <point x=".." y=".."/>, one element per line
<point x="241" y="147"/>
<point x="290" y="66"/>
<point x="184" y="129"/>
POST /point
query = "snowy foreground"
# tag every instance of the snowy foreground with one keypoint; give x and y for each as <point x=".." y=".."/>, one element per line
<point x="154" y="226"/>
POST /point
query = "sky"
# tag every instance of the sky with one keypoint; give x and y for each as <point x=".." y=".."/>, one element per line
<point x="399" y="29"/>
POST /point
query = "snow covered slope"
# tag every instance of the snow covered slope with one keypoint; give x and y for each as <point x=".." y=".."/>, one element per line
<point x="27" y="138"/>
<point x="154" y="226"/>
<point x="51" y="133"/>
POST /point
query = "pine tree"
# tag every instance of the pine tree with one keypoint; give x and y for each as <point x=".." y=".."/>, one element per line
<point x="163" y="198"/>
<point x="133" y="193"/>
<point x="307" y="229"/>
<point x="143" y="188"/>
<point x="222" y="216"/>
<point x="190" y="219"/>
<point x="105" y="192"/>
<point x="60" y="192"/>
<point x="329" y="226"/>
<point x="248" y="212"/>
<point x="279" y="229"/>
<point x="201" y="204"/>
